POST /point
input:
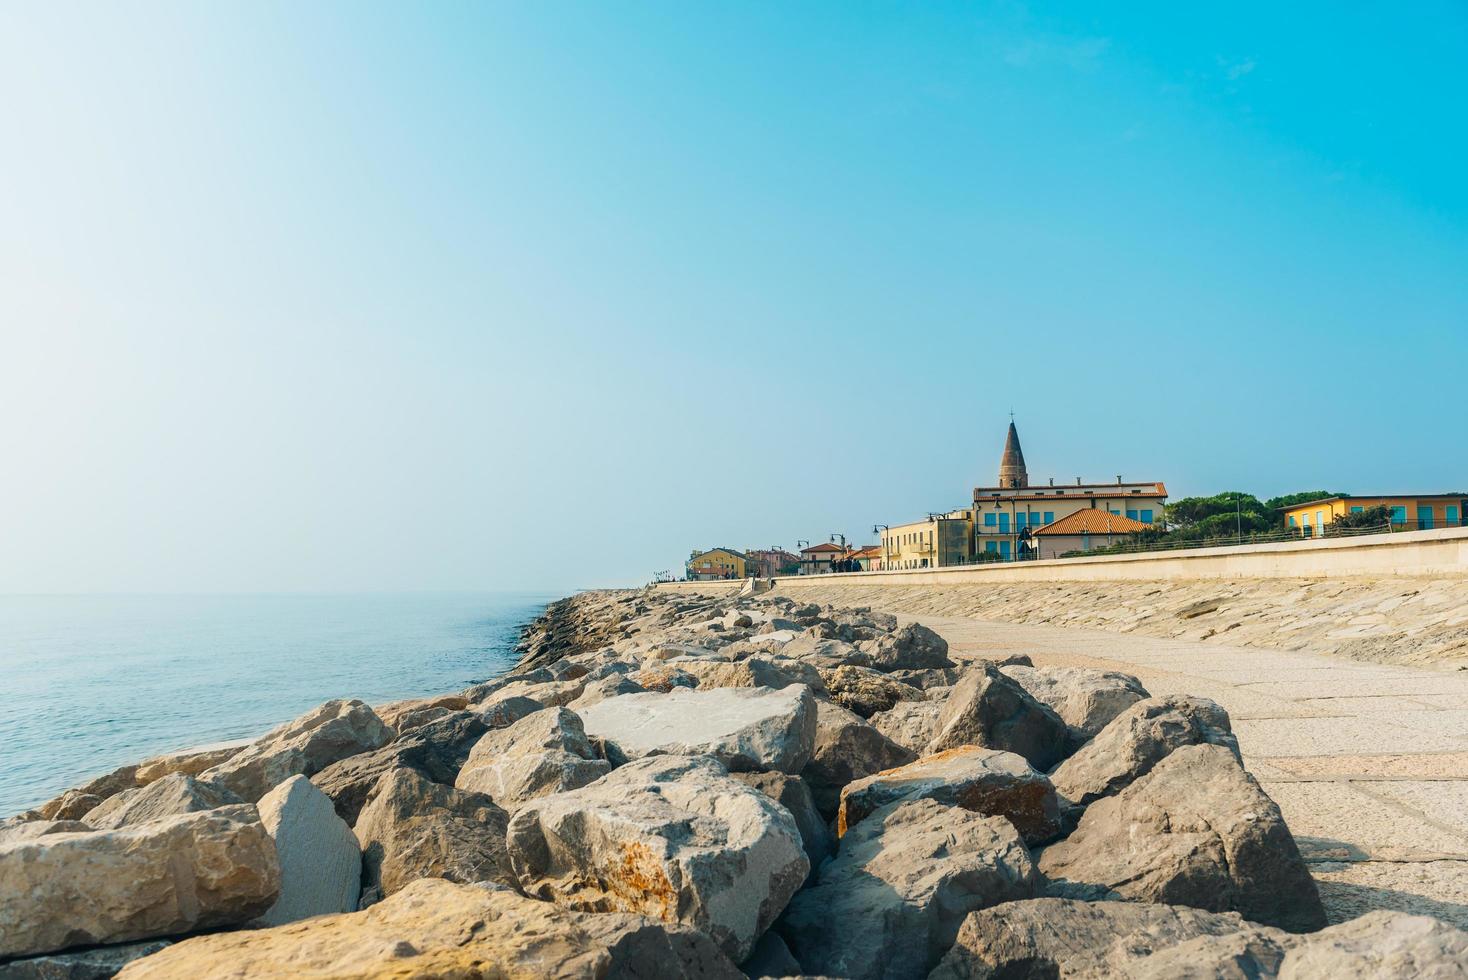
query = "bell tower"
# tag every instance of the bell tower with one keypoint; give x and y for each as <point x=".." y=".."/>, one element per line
<point x="1012" y="472"/>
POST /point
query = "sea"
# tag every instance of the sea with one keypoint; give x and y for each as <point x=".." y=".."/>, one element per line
<point x="90" y="683"/>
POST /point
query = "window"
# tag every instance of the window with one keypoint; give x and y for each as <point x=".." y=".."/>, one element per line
<point x="1450" y="515"/>
<point x="1049" y="517"/>
<point x="991" y="546"/>
<point x="1004" y="549"/>
<point x="1357" y="510"/>
<point x="1146" y="517"/>
<point x="1131" y="513"/>
<point x="1020" y="521"/>
<point x="1003" y="523"/>
<point x="1424" y="516"/>
<point x="990" y="519"/>
<point x="1292" y="520"/>
<point x="1399" y="515"/>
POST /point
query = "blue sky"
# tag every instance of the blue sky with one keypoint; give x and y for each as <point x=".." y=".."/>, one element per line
<point x="541" y="296"/>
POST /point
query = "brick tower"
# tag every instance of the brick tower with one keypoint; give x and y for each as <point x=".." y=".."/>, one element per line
<point x="1012" y="472"/>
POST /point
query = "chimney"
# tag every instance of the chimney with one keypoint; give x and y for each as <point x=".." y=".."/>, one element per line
<point x="1052" y="481"/>
<point x="1118" y="479"/>
<point x="1078" y="481"/>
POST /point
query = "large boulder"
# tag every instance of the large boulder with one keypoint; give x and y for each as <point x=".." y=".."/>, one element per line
<point x="747" y="729"/>
<point x="543" y="753"/>
<point x="320" y="860"/>
<point x="986" y="781"/>
<point x="436" y="750"/>
<point x="866" y="691"/>
<point x="96" y="963"/>
<point x="435" y="928"/>
<point x="19" y="830"/>
<point x="913" y="647"/>
<point x="189" y="762"/>
<point x="1048" y="937"/>
<point x="751" y="672"/>
<point x="793" y="794"/>
<point x="170" y="876"/>
<point x="1198" y="831"/>
<point x="414" y="828"/>
<point x="910" y="724"/>
<point x="890" y="903"/>
<point x="303" y="747"/>
<point x="77" y="801"/>
<point x="989" y="709"/>
<point x="403" y="716"/>
<point x="847" y="748"/>
<point x="1135" y="741"/>
<point x="1087" y="699"/>
<point x="167" y="797"/>
<point x="671" y="837"/>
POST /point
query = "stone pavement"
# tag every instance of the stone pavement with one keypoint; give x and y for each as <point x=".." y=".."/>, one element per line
<point x="1368" y="762"/>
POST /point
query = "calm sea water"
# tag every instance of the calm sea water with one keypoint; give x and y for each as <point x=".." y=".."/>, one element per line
<point x="89" y="683"/>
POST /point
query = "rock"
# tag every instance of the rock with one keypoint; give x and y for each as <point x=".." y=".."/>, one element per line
<point x="502" y="711"/>
<point x="1135" y="741"/>
<point x="991" y="710"/>
<point x="771" y="958"/>
<point x="1198" y="831"/>
<point x="866" y="691"/>
<point x="31" y="829"/>
<point x="613" y="686"/>
<point x="167" y="797"/>
<point x="890" y="903"/>
<point x="174" y="875"/>
<point x="986" y="781"/>
<point x="846" y="748"/>
<point x="747" y="729"/>
<point x="435" y="928"/>
<point x="1050" y="937"/>
<point x="929" y="679"/>
<point x="75" y="802"/>
<point x="792" y="793"/>
<point x="664" y="678"/>
<point x="753" y="672"/>
<point x="414" y="828"/>
<point x="671" y="837"/>
<point x="320" y="860"/>
<point x="97" y="963"/>
<point x="303" y="747"/>
<point x="545" y="753"/>
<point x="910" y="724"/>
<point x="402" y="716"/>
<point x="552" y="694"/>
<point x="188" y="763"/>
<point x="436" y="750"/>
<point x="1088" y="700"/>
<point x="913" y="647"/>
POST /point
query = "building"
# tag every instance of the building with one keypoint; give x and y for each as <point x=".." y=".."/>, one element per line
<point x="817" y="558"/>
<point x="717" y="563"/>
<point x="1084" y="530"/>
<point x="770" y="562"/>
<point x="992" y="528"/>
<point x="1408" y="512"/>
<point x="1001" y="513"/>
<point x="868" y="557"/>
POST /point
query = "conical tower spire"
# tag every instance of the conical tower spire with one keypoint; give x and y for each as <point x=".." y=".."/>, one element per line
<point x="1012" y="472"/>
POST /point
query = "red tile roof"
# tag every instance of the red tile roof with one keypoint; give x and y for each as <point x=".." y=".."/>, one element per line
<point x="1093" y="520"/>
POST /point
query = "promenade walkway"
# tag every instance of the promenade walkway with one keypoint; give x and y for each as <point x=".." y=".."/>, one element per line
<point x="1368" y="762"/>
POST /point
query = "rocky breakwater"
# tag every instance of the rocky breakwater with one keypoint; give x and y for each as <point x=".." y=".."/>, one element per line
<point x="685" y="786"/>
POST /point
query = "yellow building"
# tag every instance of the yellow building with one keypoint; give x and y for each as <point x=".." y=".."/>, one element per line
<point x="717" y="563"/>
<point x="939" y="541"/>
<point x="1408" y="512"/>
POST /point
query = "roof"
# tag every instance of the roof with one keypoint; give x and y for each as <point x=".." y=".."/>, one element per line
<point x="1093" y="520"/>
<point x="1376" y="496"/>
<point x="728" y="551"/>
<point x="823" y="547"/>
<point x="1148" y="488"/>
<point x="870" y="551"/>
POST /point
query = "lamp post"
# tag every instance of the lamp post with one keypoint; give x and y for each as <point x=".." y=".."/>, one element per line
<point x="877" y="529"/>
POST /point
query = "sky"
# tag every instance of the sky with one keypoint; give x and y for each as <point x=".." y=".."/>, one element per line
<point x="542" y="296"/>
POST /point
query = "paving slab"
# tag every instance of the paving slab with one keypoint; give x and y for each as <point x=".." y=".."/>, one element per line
<point x="1354" y="734"/>
<point x="1438" y="888"/>
<point x="1409" y="766"/>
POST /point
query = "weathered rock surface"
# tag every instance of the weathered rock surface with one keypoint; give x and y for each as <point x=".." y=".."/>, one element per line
<point x="414" y="828"/>
<point x="793" y="794"/>
<point x="1198" y="831"/>
<point x="747" y="729"/>
<point x="986" y="781"/>
<point x="320" y="860"/>
<point x="847" y="748"/>
<point x="10" y="832"/>
<point x="612" y="686"/>
<point x="910" y="724"/>
<point x="913" y="647"/>
<point x="890" y="903"/>
<point x="440" y="929"/>
<point x="992" y="710"/>
<point x="771" y="958"/>
<point x="1048" y="937"/>
<point x="170" y="876"/>
<point x="752" y="672"/>
<point x="436" y="750"/>
<point x="1136" y="740"/>
<point x="167" y="797"/>
<point x="74" y="803"/>
<point x="188" y="763"/>
<point x="544" y="753"/>
<point x="671" y="837"/>
<point x="402" y="716"/>
<point x="303" y="747"/>
<point x="504" y="711"/>
<point x="866" y="691"/>
<point x="1087" y="699"/>
<point x="96" y="963"/>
